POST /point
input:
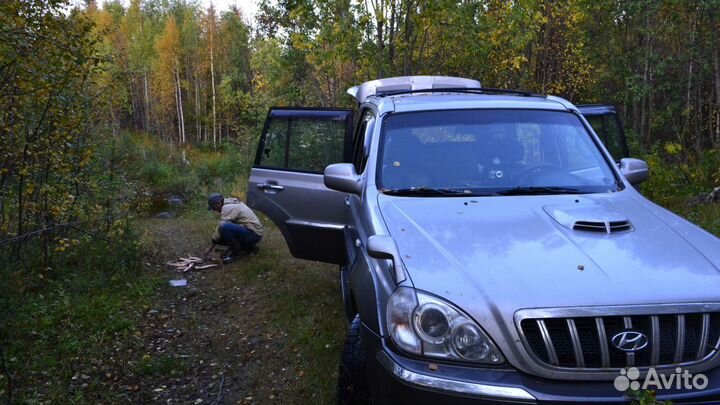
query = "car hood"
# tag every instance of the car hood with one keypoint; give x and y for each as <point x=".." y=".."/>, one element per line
<point x="492" y="256"/>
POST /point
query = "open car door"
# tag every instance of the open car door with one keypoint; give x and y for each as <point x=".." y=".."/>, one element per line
<point x="606" y="123"/>
<point x="286" y="182"/>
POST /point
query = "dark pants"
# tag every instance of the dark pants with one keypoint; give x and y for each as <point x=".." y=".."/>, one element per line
<point x="238" y="237"/>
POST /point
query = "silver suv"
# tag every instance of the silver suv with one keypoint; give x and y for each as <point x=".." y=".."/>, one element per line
<point x="491" y="249"/>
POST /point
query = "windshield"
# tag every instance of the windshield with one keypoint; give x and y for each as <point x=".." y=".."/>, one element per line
<point x="489" y="152"/>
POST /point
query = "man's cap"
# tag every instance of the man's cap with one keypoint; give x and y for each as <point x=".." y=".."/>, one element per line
<point x="214" y="198"/>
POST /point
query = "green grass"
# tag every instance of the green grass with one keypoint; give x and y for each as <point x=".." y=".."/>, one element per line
<point x="308" y="307"/>
<point x="62" y="322"/>
<point x="166" y="365"/>
<point x="678" y="179"/>
<point x="706" y="216"/>
<point x="163" y="172"/>
<point x="296" y="298"/>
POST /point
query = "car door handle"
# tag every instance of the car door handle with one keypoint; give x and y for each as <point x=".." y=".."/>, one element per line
<point x="269" y="186"/>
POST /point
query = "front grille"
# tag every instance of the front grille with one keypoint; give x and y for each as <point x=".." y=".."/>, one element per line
<point x="575" y="340"/>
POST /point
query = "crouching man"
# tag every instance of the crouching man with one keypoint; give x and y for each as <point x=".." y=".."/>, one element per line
<point x="239" y="227"/>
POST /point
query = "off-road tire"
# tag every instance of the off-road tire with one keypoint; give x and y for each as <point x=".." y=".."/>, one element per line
<point x="352" y="385"/>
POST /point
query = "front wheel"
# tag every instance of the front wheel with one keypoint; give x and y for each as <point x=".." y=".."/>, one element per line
<point x="352" y="386"/>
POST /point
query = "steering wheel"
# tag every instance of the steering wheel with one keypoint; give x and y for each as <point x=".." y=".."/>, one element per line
<point x="535" y="170"/>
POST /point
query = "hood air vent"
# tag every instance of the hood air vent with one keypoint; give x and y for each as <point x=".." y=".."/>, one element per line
<point x="588" y="216"/>
<point x="603" y="227"/>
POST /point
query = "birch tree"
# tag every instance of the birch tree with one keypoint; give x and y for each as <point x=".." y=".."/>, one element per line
<point x="167" y="74"/>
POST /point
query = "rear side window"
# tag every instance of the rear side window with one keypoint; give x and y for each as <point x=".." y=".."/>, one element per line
<point x="303" y="140"/>
<point x="608" y="128"/>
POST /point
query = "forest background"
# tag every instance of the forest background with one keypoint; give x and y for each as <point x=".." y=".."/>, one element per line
<point x="75" y="81"/>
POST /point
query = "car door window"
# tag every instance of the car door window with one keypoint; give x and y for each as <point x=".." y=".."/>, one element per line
<point x="605" y="121"/>
<point x="303" y="143"/>
<point x="275" y="147"/>
<point x="608" y="127"/>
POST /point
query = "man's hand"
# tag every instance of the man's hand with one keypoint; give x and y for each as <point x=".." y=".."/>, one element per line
<point x="206" y="253"/>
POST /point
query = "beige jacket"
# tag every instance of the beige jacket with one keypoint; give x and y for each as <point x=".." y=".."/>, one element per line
<point x="239" y="213"/>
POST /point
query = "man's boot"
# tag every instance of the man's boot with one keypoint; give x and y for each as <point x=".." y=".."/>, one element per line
<point x="236" y="249"/>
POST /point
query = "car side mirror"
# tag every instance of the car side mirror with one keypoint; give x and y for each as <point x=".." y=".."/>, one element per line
<point x="342" y="177"/>
<point x="384" y="247"/>
<point x="635" y="170"/>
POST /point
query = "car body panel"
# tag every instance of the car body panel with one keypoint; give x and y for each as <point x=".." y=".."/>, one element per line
<point x="455" y="246"/>
<point x="309" y="215"/>
<point x="371" y="279"/>
<point x="310" y="233"/>
<point x="493" y="256"/>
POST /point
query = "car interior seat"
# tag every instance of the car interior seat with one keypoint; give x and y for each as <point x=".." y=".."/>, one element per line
<point x="507" y="152"/>
<point x="404" y="162"/>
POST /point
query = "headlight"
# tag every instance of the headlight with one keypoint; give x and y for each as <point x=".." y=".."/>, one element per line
<point x="426" y="325"/>
<point x="399" y="312"/>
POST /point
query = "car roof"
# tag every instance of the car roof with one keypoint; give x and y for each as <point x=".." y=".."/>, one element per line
<point x="452" y="101"/>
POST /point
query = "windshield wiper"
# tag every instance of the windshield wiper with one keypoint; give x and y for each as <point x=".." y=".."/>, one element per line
<point x="427" y="192"/>
<point x="540" y="191"/>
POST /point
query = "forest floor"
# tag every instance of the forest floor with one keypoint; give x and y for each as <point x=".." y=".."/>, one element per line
<point x="267" y="328"/>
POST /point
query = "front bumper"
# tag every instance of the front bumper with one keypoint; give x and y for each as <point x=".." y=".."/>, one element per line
<point x="396" y="379"/>
<point x="443" y="385"/>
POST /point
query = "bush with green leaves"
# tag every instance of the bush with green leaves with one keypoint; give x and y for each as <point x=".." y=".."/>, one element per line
<point x="676" y="174"/>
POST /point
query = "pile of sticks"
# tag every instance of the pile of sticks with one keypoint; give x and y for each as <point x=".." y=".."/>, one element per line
<point x="184" y="264"/>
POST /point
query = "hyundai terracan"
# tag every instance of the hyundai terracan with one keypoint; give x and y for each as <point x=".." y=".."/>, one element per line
<point x="490" y="248"/>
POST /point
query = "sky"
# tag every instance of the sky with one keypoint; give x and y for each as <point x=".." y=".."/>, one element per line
<point x="248" y="7"/>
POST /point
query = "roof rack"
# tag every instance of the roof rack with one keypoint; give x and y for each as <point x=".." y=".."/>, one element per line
<point x="473" y="90"/>
<point x="409" y="83"/>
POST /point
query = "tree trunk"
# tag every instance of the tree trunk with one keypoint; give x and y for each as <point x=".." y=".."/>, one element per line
<point x="177" y="108"/>
<point x="147" y="102"/>
<point x="699" y="133"/>
<point x="407" y="58"/>
<point x="644" y="113"/>
<point x="198" y="122"/>
<point x="379" y="10"/>
<point x="179" y="103"/>
<point x="716" y="63"/>
<point x="688" y="130"/>
<point x="134" y="102"/>
<point x="391" y="37"/>
<point x="180" y="107"/>
<point x="212" y="81"/>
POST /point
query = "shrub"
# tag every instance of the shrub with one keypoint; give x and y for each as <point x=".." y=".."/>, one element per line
<point x="676" y="174"/>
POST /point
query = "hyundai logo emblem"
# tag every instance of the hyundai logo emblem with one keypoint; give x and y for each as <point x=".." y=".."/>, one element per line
<point x="630" y="341"/>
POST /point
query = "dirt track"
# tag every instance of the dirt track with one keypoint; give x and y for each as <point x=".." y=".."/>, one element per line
<point x="266" y="329"/>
